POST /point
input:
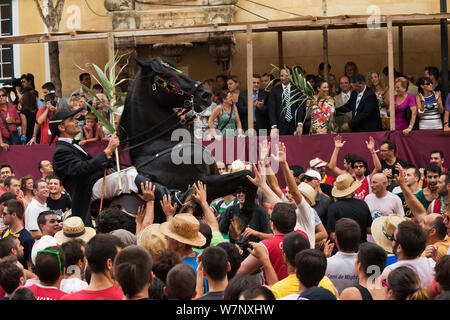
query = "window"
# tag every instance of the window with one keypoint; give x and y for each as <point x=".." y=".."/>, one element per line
<point x="6" y="56"/>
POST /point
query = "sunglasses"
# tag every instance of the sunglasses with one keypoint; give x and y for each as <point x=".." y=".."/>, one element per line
<point x="2" y="95"/>
<point x="385" y="284"/>
<point x="57" y="254"/>
<point x="427" y="83"/>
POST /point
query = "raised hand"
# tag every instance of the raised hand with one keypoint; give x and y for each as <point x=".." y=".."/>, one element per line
<point x="257" y="251"/>
<point x="400" y="177"/>
<point x="167" y="207"/>
<point x="328" y="248"/>
<point x="148" y="193"/>
<point x="338" y="143"/>
<point x="260" y="178"/>
<point x="281" y="153"/>
<point x="200" y="194"/>
<point x="264" y="152"/>
<point x="370" y="144"/>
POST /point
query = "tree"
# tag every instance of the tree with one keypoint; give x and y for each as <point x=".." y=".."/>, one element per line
<point x="52" y="20"/>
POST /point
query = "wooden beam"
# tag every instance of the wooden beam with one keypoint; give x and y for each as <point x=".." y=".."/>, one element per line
<point x="280" y="49"/>
<point x="110" y="46"/>
<point x="325" y="53"/>
<point x="400" y="50"/>
<point x="250" y="80"/>
<point x="306" y="23"/>
<point x="391" y="73"/>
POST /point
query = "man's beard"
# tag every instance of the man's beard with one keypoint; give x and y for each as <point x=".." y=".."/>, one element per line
<point x="444" y="193"/>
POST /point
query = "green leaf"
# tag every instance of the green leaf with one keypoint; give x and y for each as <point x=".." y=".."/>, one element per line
<point x="104" y="80"/>
<point x="103" y="120"/>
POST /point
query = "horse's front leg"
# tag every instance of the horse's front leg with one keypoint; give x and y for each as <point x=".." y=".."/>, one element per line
<point x="221" y="185"/>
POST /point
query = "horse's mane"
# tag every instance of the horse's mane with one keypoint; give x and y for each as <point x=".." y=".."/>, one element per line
<point x="157" y="65"/>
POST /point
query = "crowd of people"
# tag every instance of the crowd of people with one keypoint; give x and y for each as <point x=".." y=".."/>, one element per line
<point x="333" y="233"/>
<point x="348" y="235"/>
<point x="351" y="103"/>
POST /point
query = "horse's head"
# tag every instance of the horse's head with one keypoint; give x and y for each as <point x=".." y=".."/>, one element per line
<point x="170" y="87"/>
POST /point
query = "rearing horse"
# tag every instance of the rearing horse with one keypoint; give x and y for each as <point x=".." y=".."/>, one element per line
<point x="147" y="124"/>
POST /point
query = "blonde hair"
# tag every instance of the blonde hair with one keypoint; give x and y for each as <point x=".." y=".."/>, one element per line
<point x="403" y="81"/>
<point x="381" y="77"/>
<point x="74" y="101"/>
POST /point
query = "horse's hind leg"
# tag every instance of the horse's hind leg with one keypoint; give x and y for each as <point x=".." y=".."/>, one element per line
<point x="221" y="185"/>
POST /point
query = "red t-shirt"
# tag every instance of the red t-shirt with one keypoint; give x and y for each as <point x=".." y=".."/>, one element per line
<point x="10" y="112"/>
<point x="274" y="247"/>
<point x="45" y="129"/>
<point x="328" y="179"/>
<point x="46" y="293"/>
<point x="112" y="293"/>
<point x="362" y="192"/>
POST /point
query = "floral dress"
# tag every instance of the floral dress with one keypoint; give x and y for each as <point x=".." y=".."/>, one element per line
<point x="321" y="114"/>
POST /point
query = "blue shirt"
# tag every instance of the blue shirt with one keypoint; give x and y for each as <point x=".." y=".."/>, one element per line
<point x="192" y="261"/>
<point x="26" y="240"/>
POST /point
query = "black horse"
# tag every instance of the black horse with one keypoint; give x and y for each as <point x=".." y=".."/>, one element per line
<point x="160" y="100"/>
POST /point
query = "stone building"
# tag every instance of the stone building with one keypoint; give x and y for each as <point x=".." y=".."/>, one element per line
<point x="205" y="55"/>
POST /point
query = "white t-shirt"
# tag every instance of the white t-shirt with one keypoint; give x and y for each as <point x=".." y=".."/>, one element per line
<point x="384" y="206"/>
<point x="32" y="213"/>
<point x="341" y="270"/>
<point x="306" y="218"/>
<point x="424" y="267"/>
<point x="73" y="285"/>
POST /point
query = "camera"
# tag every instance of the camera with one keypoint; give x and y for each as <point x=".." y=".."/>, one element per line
<point x="53" y="103"/>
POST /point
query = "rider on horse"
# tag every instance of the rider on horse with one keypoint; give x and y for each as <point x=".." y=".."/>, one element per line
<point x="80" y="171"/>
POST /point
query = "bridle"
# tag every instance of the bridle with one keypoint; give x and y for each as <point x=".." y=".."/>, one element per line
<point x="187" y="109"/>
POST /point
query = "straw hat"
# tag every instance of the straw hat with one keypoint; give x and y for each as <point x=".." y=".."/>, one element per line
<point x="308" y="192"/>
<point x="184" y="228"/>
<point x="317" y="163"/>
<point x="153" y="240"/>
<point x="238" y="165"/>
<point x="345" y="185"/>
<point x="73" y="228"/>
<point x="383" y="229"/>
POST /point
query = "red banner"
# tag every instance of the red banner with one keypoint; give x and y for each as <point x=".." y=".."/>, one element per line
<point x="415" y="148"/>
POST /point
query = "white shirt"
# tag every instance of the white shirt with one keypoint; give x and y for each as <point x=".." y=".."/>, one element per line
<point x="424" y="267"/>
<point x="345" y="96"/>
<point x="32" y="213"/>
<point x="384" y="206"/>
<point x="341" y="270"/>
<point x="73" y="285"/>
<point x="306" y="218"/>
<point x="70" y="140"/>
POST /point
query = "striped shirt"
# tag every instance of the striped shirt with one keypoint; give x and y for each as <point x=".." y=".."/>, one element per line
<point x="431" y="118"/>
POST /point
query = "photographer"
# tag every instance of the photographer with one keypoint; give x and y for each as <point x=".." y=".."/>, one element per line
<point x="43" y="117"/>
<point x="9" y="120"/>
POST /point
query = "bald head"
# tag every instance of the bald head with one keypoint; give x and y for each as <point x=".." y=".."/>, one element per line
<point x="379" y="184"/>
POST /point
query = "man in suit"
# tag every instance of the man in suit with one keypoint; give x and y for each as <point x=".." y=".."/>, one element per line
<point x="341" y="98"/>
<point x="79" y="171"/>
<point x="364" y="107"/>
<point x="260" y="117"/>
<point x="285" y="116"/>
